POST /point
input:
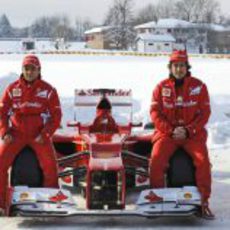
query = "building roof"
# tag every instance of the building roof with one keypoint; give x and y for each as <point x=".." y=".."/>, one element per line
<point x="165" y="23"/>
<point x="151" y="24"/>
<point x="213" y="27"/>
<point x="177" y="23"/>
<point x="156" y="37"/>
<point x="173" y="23"/>
<point x="220" y="28"/>
<point x="97" y="30"/>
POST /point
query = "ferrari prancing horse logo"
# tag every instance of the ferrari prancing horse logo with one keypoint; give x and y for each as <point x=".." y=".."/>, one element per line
<point x="17" y="92"/>
<point x="166" y="92"/>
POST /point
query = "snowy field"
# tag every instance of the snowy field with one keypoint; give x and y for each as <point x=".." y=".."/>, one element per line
<point x="141" y="74"/>
<point x="16" y="46"/>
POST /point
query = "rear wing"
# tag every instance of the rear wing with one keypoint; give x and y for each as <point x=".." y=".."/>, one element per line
<point x="86" y="100"/>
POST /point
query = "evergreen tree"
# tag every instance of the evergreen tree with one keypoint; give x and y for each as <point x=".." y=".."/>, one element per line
<point x="5" y="27"/>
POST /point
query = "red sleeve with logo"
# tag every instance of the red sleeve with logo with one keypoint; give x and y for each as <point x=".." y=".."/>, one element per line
<point x="55" y="115"/>
<point x="203" y="113"/>
<point x="5" y="105"/>
<point x="159" y="120"/>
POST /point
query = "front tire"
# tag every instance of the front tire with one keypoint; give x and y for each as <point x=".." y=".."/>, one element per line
<point x="181" y="170"/>
<point x="26" y="169"/>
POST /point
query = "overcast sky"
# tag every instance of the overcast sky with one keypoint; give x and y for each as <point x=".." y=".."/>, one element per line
<point x="22" y="12"/>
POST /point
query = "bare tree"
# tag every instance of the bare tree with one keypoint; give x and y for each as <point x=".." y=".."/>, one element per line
<point x="63" y="28"/>
<point x="41" y="27"/>
<point x="52" y="27"/>
<point x="147" y="14"/>
<point x="81" y="26"/>
<point x="212" y="11"/>
<point x="206" y="11"/>
<point x="185" y="10"/>
<point x="224" y="20"/>
<point x="119" y="18"/>
<point x="203" y="11"/>
<point x="165" y="8"/>
<point x="154" y="12"/>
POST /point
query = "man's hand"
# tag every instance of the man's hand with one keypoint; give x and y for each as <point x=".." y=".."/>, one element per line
<point x="39" y="139"/>
<point x="7" y="139"/>
<point x="179" y="133"/>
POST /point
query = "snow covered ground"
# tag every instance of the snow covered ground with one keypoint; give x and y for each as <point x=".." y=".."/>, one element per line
<point x="141" y="74"/>
<point x="13" y="46"/>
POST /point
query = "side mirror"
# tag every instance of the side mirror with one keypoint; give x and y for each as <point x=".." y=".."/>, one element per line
<point x="73" y="124"/>
<point x="136" y="124"/>
<point x="149" y="125"/>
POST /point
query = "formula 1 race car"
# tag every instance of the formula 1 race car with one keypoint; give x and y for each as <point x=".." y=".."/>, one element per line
<point x="103" y="169"/>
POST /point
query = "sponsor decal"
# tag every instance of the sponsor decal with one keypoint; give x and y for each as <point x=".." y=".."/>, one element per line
<point x="189" y="103"/>
<point x="141" y="179"/>
<point x="153" y="198"/>
<point x="24" y="196"/>
<point x="31" y="104"/>
<point x="105" y="155"/>
<point x="104" y="121"/>
<point x="16" y="105"/>
<point x="42" y="94"/>
<point x="185" y="104"/>
<point x="167" y="105"/>
<point x="166" y="92"/>
<point x="154" y="103"/>
<point x="195" y="91"/>
<point x="59" y="197"/>
<point x="93" y="92"/>
<point x="179" y="101"/>
<point x="188" y="195"/>
<point x="17" y="92"/>
<point x="181" y="121"/>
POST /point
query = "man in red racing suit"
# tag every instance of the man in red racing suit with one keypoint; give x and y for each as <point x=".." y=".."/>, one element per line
<point x="30" y="113"/>
<point x="180" y="109"/>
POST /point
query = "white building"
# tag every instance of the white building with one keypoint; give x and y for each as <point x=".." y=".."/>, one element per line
<point x="152" y="43"/>
<point x="190" y="35"/>
<point x="96" y="38"/>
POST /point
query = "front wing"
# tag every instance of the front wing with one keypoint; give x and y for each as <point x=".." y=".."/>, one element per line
<point x="46" y="202"/>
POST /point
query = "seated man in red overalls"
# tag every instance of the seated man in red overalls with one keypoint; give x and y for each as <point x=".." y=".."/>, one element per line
<point x="180" y="110"/>
<point x="30" y="113"/>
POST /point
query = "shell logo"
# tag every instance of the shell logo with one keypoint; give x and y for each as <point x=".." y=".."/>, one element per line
<point x="188" y="195"/>
<point x="24" y="196"/>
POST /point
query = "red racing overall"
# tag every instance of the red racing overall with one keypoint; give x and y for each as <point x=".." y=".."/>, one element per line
<point x="27" y="111"/>
<point x="187" y="106"/>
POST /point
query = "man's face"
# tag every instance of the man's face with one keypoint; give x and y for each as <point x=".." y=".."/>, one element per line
<point x="179" y="69"/>
<point x="30" y="72"/>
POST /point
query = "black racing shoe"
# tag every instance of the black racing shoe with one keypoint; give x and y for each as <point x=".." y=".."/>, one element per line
<point x="206" y="212"/>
